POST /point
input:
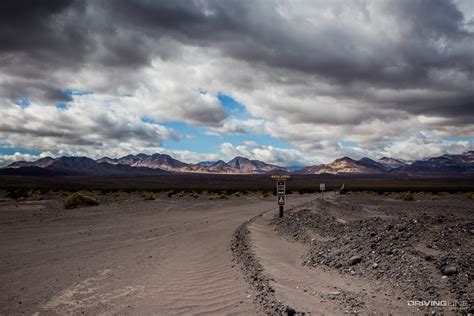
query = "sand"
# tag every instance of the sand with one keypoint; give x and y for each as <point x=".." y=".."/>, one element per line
<point x="168" y="256"/>
<point x="172" y="256"/>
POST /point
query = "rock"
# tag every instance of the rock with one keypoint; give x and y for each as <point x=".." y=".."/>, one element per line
<point x="290" y="311"/>
<point x="355" y="260"/>
<point x="375" y="266"/>
<point x="450" y="270"/>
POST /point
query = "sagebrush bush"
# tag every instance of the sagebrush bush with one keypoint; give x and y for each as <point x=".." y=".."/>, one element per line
<point x="148" y="196"/>
<point x="470" y="196"/>
<point x="20" y="194"/>
<point x="218" y="196"/>
<point x="79" y="199"/>
<point x="406" y="196"/>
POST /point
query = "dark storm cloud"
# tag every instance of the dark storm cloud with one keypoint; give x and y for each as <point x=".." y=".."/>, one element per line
<point x="41" y="37"/>
<point x="433" y="42"/>
<point x="43" y="31"/>
<point x="27" y="24"/>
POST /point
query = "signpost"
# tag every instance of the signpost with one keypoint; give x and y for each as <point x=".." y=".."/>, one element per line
<point x="322" y="188"/>
<point x="281" y="190"/>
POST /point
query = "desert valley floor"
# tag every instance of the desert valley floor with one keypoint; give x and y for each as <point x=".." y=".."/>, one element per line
<point x="356" y="253"/>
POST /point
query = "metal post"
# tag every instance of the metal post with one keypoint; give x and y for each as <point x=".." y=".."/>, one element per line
<point x="281" y="211"/>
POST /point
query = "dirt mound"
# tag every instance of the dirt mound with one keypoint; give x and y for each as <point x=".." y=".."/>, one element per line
<point x="429" y="257"/>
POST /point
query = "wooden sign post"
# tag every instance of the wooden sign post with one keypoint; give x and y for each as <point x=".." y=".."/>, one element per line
<point x="281" y="190"/>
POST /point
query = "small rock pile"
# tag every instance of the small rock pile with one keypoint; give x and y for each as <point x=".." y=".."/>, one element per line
<point x="298" y="222"/>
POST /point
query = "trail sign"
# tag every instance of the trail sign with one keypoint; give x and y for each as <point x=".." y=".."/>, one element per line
<point x="280" y="177"/>
<point x="280" y="180"/>
<point x="281" y="187"/>
<point x="281" y="199"/>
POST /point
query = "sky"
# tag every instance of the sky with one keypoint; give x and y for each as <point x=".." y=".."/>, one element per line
<point x="289" y="82"/>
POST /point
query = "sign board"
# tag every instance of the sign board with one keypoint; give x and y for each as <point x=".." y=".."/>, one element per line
<point x="281" y="177"/>
<point x="322" y="187"/>
<point x="281" y="199"/>
<point x="281" y="187"/>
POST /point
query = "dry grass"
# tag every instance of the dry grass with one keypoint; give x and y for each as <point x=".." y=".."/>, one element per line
<point x="148" y="196"/>
<point x="406" y="196"/>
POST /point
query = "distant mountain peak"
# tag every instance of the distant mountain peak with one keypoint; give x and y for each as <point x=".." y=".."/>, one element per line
<point x="159" y="163"/>
<point x="346" y="165"/>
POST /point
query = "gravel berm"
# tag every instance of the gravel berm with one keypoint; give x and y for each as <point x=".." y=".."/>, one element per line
<point x="254" y="272"/>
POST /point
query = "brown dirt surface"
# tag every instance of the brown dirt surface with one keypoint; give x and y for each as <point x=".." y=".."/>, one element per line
<point x="413" y="250"/>
<point x="198" y="254"/>
<point x="125" y="256"/>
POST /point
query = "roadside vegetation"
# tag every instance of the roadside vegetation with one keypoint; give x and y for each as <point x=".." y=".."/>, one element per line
<point x="148" y="196"/>
<point x="79" y="199"/>
<point x="406" y="196"/>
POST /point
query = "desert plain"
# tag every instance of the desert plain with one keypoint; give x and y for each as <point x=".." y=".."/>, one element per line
<point x="187" y="253"/>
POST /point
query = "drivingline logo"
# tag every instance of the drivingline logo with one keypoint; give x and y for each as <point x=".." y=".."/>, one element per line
<point x="452" y="304"/>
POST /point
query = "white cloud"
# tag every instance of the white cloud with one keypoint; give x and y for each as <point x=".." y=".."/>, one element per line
<point x="8" y="159"/>
<point x="314" y="74"/>
<point x="269" y="154"/>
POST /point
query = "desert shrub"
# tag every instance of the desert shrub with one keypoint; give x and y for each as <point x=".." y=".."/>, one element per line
<point x="194" y="195"/>
<point x="470" y="196"/>
<point x="267" y="194"/>
<point x="17" y="194"/>
<point x="180" y="194"/>
<point x="148" y="196"/>
<point x="79" y="199"/>
<point x="218" y="196"/>
<point x="406" y="196"/>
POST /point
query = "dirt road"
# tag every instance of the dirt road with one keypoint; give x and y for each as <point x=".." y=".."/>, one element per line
<point x="129" y="256"/>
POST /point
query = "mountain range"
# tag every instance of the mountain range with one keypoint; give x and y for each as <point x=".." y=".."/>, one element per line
<point x="162" y="163"/>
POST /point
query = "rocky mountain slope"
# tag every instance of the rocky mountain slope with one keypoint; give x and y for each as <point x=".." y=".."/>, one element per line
<point x="159" y="163"/>
<point x="391" y="163"/>
<point x="347" y="165"/>
<point x="444" y="164"/>
<point x="143" y="163"/>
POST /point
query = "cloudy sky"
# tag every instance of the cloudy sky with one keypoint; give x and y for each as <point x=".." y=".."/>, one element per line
<point x="285" y="81"/>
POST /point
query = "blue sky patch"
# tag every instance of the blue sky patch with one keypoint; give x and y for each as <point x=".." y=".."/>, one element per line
<point x="233" y="107"/>
<point x="458" y="139"/>
<point x="23" y="103"/>
<point x="11" y="151"/>
<point x="348" y="144"/>
<point x="62" y="106"/>
<point x="73" y="92"/>
<point x="198" y="140"/>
